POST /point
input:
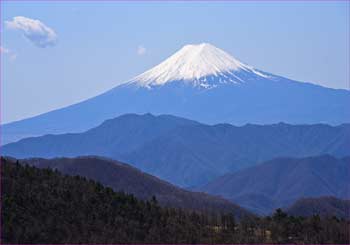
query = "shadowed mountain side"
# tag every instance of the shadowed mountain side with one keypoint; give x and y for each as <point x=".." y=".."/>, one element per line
<point x="282" y="181"/>
<point x="122" y="177"/>
<point x="42" y="206"/>
<point x="185" y="152"/>
<point x="323" y="206"/>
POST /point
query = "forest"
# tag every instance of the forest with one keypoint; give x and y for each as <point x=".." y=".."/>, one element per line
<point x="46" y="206"/>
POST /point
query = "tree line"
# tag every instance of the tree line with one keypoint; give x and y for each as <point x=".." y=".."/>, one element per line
<point x="45" y="206"/>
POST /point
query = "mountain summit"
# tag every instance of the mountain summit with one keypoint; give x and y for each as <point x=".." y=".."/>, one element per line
<point x="194" y="64"/>
<point x="203" y="83"/>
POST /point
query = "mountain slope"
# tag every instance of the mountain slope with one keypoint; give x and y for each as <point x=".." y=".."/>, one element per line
<point x="282" y="181"/>
<point x="200" y="82"/>
<point x="122" y="177"/>
<point x="116" y="136"/>
<point x="184" y="152"/>
<point x="323" y="206"/>
<point x="193" y="155"/>
<point x="40" y="206"/>
<point x="194" y="64"/>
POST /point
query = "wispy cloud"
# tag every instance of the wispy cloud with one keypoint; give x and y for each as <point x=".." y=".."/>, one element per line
<point x="141" y="50"/>
<point x="4" y="51"/>
<point x="34" y="30"/>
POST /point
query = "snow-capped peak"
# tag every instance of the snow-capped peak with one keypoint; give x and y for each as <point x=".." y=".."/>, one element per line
<point x="192" y="62"/>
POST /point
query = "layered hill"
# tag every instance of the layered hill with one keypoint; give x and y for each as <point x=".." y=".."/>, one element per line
<point x="122" y="177"/>
<point x="323" y="206"/>
<point x="201" y="82"/>
<point x="185" y="152"/>
<point x="280" y="182"/>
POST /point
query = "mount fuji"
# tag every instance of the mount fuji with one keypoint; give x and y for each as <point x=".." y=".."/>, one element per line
<point x="203" y="83"/>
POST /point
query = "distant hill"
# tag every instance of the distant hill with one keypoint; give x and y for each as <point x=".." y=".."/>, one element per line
<point x="185" y="152"/>
<point x="280" y="182"/>
<point x="122" y="177"/>
<point x="323" y="206"/>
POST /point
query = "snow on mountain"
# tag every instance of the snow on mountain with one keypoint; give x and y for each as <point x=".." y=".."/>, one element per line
<point x="194" y="63"/>
<point x="203" y="83"/>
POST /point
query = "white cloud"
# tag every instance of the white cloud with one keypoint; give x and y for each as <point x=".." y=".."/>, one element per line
<point x="34" y="30"/>
<point x="141" y="50"/>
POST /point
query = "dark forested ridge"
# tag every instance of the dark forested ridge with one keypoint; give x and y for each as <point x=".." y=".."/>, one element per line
<point x="45" y="206"/>
<point x="123" y="177"/>
<point x="281" y="181"/>
<point x="184" y="152"/>
<point x="324" y="206"/>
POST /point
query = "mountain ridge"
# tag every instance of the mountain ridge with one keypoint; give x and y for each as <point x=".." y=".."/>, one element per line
<point x="280" y="182"/>
<point x="323" y="206"/>
<point x="246" y="95"/>
<point x="184" y="152"/>
<point x="123" y="177"/>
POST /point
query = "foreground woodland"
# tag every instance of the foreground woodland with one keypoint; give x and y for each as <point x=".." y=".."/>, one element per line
<point x="45" y="206"/>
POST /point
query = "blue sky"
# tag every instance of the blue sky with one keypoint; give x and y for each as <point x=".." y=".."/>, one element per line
<point x="96" y="46"/>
